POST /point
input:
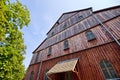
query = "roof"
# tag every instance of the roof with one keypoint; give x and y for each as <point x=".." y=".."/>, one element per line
<point x="64" y="66"/>
<point x="106" y="9"/>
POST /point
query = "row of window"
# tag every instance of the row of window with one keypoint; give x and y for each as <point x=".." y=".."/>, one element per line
<point x="105" y="65"/>
<point x="66" y="46"/>
<point x="89" y="35"/>
<point x="77" y="19"/>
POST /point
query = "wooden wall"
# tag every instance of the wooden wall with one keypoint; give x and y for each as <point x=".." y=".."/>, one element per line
<point x="79" y="42"/>
<point x="77" y="27"/>
<point x="89" y="53"/>
<point x="70" y="20"/>
<point x="66" y="16"/>
<point x="88" y="61"/>
<point x="33" y="68"/>
<point x="114" y="27"/>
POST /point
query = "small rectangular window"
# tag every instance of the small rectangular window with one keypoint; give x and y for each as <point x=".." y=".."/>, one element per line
<point x="49" y="51"/>
<point x="90" y="35"/>
<point x="64" y="26"/>
<point x="37" y="56"/>
<point x="52" y="34"/>
<point x="66" y="45"/>
<point x="79" y="18"/>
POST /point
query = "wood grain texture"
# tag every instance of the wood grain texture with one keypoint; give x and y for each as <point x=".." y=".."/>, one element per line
<point x="30" y="69"/>
<point x="88" y="62"/>
<point x="69" y="21"/>
<point x="77" y="27"/>
<point x="79" y="42"/>
<point x="90" y="53"/>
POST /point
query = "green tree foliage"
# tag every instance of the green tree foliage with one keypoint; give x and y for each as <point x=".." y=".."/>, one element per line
<point x="13" y="17"/>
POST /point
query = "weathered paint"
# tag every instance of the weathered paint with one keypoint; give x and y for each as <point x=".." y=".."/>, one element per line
<point x="89" y="53"/>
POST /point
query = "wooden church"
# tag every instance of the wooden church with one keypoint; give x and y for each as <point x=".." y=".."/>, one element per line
<point x="81" y="45"/>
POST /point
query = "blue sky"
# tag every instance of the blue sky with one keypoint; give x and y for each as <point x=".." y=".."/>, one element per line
<point x="44" y="14"/>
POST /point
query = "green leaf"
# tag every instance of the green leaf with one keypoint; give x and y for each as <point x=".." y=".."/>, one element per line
<point x="13" y="17"/>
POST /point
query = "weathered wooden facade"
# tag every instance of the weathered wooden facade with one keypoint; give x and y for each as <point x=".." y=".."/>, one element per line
<point x="81" y="45"/>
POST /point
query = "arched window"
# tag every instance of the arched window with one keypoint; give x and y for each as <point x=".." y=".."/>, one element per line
<point x="49" y="50"/>
<point x="66" y="44"/>
<point x="65" y="26"/>
<point x="107" y="69"/>
<point x="52" y="34"/>
<point x="79" y="18"/>
<point x="31" y="75"/>
<point x="90" y="35"/>
<point x="37" y="56"/>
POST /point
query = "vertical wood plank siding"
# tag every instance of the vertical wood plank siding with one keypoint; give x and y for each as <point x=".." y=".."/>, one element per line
<point x="90" y="53"/>
<point x="89" y="61"/>
<point x="69" y="21"/>
<point x="65" y="16"/>
<point x="114" y="26"/>
<point x="30" y="69"/>
<point x="79" y="42"/>
<point x="79" y="27"/>
<point x="33" y="59"/>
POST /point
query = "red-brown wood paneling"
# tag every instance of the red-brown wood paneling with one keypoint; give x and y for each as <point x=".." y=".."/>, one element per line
<point x="35" y="69"/>
<point x="90" y="53"/>
<point x="89" y="61"/>
<point x="79" y="26"/>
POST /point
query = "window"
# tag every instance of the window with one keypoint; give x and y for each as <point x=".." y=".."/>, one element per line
<point x="49" y="51"/>
<point x="107" y="69"/>
<point x="37" y="56"/>
<point x="52" y="34"/>
<point x="79" y="18"/>
<point x="64" y="26"/>
<point x="66" y="45"/>
<point x="90" y="36"/>
<point x="45" y="75"/>
<point x="31" y="75"/>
